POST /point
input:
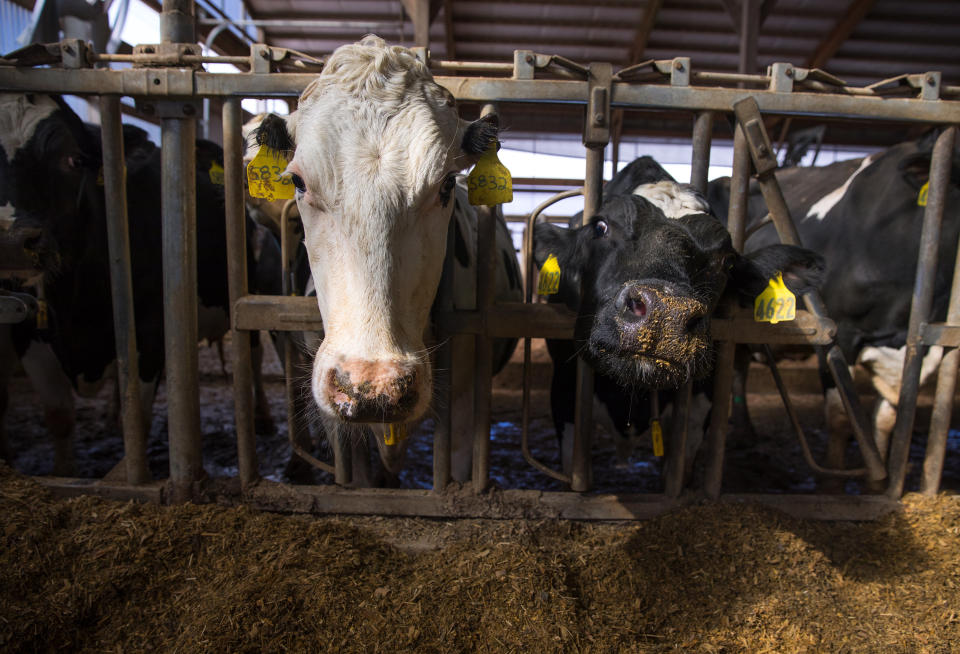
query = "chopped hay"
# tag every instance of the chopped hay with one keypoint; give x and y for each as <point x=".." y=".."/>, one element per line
<point x="86" y="574"/>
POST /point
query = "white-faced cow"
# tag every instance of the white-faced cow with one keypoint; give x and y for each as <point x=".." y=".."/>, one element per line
<point x="644" y="276"/>
<point x="864" y="217"/>
<point x="376" y="144"/>
<point x="49" y="167"/>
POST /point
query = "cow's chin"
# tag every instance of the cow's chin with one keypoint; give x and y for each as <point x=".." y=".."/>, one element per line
<point x="654" y="369"/>
<point x="353" y="390"/>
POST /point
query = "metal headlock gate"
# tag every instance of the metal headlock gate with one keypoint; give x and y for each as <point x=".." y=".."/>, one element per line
<point x="167" y="80"/>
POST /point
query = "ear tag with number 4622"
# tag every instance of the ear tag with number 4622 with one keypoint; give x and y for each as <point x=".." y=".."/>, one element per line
<point x="549" y="283"/>
<point x="489" y="182"/>
<point x="776" y="303"/>
<point x="265" y="177"/>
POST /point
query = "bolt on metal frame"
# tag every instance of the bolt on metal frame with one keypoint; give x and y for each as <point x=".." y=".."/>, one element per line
<point x="171" y="89"/>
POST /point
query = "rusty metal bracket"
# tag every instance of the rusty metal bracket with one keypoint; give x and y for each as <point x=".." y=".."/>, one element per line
<point x="781" y="77"/>
<point x="171" y="108"/>
<point x="596" y="127"/>
<point x="758" y="142"/>
<point x="159" y="55"/>
<point x="75" y="53"/>
<point x="524" y="64"/>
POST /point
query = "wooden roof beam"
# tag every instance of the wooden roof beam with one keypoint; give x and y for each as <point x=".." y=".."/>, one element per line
<point x="840" y="33"/>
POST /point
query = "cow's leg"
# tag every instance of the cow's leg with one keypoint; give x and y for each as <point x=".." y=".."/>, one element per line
<point x="741" y="426"/>
<point x="461" y="408"/>
<point x="56" y="397"/>
<point x="262" y="420"/>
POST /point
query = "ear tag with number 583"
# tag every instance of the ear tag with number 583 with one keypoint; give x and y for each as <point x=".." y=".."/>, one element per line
<point x="776" y="303"/>
<point x="489" y="182"/>
<point x="265" y="176"/>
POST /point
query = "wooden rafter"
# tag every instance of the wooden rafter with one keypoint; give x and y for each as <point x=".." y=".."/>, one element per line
<point x="855" y="13"/>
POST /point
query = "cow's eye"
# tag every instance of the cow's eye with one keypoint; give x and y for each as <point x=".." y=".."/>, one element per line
<point x="600" y="228"/>
<point x="298" y="182"/>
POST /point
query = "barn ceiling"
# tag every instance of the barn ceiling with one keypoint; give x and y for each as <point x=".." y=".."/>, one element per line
<point x="859" y="41"/>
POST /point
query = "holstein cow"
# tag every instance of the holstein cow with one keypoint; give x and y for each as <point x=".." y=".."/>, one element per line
<point x="48" y="172"/>
<point x="644" y="276"/>
<point x="376" y="148"/>
<point x="864" y="217"/>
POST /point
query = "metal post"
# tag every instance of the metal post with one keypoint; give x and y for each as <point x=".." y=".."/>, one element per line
<point x="233" y="144"/>
<point x="920" y="309"/>
<point x="677" y="450"/>
<point x="723" y="371"/>
<point x="179" y="200"/>
<point x="124" y="325"/>
<point x="483" y="354"/>
<point x="442" y="429"/>
<point x="749" y="31"/>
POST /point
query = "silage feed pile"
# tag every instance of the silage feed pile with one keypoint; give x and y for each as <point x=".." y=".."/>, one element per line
<point x="93" y="575"/>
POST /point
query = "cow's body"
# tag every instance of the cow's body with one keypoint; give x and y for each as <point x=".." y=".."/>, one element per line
<point x="644" y="277"/>
<point x="49" y="175"/>
<point x="863" y="216"/>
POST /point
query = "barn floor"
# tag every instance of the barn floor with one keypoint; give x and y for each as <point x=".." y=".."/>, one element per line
<point x="86" y="574"/>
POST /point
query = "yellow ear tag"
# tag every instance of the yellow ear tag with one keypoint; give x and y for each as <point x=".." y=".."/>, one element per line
<point x="922" y="195"/>
<point x="549" y="283"/>
<point x="265" y="176"/>
<point x="776" y="303"/>
<point x="489" y="182"/>
<point x="216" y="173"/>
<point x="395" y="434"/>
<point x="656" y="434"/>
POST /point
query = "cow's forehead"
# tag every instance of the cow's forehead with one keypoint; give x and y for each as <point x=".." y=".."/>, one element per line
<point x="19" y="117"/>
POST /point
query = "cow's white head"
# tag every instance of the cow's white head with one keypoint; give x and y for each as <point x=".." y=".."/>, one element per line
<point x="376" y="146"/>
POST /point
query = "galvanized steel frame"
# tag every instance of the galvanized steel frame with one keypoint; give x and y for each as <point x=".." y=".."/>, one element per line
<point x="171" y="88"/>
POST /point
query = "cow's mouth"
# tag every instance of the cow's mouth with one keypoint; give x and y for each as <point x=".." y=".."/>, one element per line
<point x="652" y="368"/>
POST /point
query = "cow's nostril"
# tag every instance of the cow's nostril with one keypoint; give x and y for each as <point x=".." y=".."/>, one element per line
<point x="637" y="307"/>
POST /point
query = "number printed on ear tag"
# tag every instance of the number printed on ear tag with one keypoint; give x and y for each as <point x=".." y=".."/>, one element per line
<point x="265" y="176"/>
<point x="922" y="195"/>
<point x="216" y="173"/>
<point x="549" y="283"/>
<point x="489" y="182"/>
<point x="776" y="303"/>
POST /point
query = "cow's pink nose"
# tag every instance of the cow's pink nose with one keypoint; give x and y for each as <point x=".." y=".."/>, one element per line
<point x="372" y="391"/>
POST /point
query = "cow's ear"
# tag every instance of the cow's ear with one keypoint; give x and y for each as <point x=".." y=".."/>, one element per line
<point x="477" y="137"/>
<point x="273" y="133"/>
<point x="802" y="270"/>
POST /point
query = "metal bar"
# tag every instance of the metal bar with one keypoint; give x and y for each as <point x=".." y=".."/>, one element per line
<point x="124" y="324"/>
<point x="723" y="370"/>
<point x="142" y="82"/>
<point x="179" y="201"/>
<point x="233" y="145"/>
<point x="920" y="308"/>
<point x="702" y="138"/>
<point x="442" y="429"/>
<point x="749" y="30"/>
<point x="483" y="364"/>
<point x="943" y="399"/>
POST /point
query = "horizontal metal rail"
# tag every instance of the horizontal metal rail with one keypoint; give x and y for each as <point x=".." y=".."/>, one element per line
<point x="166" y="82"/>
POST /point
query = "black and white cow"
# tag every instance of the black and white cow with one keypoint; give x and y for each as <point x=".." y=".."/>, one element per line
<point x="644" y="276"/>
<point x="376" y="145"/>
<point x="864" y="217"/>
<point x="49" y="173"/>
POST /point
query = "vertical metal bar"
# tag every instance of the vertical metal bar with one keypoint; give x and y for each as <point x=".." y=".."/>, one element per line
<point x="180" y="302"/>
<point x="483" y="354"/>
<point x="749" y="31"/>
<point x="581" y="474"/>
<point x="920" y="310"/>
<point x="179" y="200"/>
<point x="702" y="137"/>
<point x="233" y="145"/>
<point x="723" y="371"/>
<point x="124" y="325"/>
<point x="441" y="432"/>
<point x="677" y="450"/>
